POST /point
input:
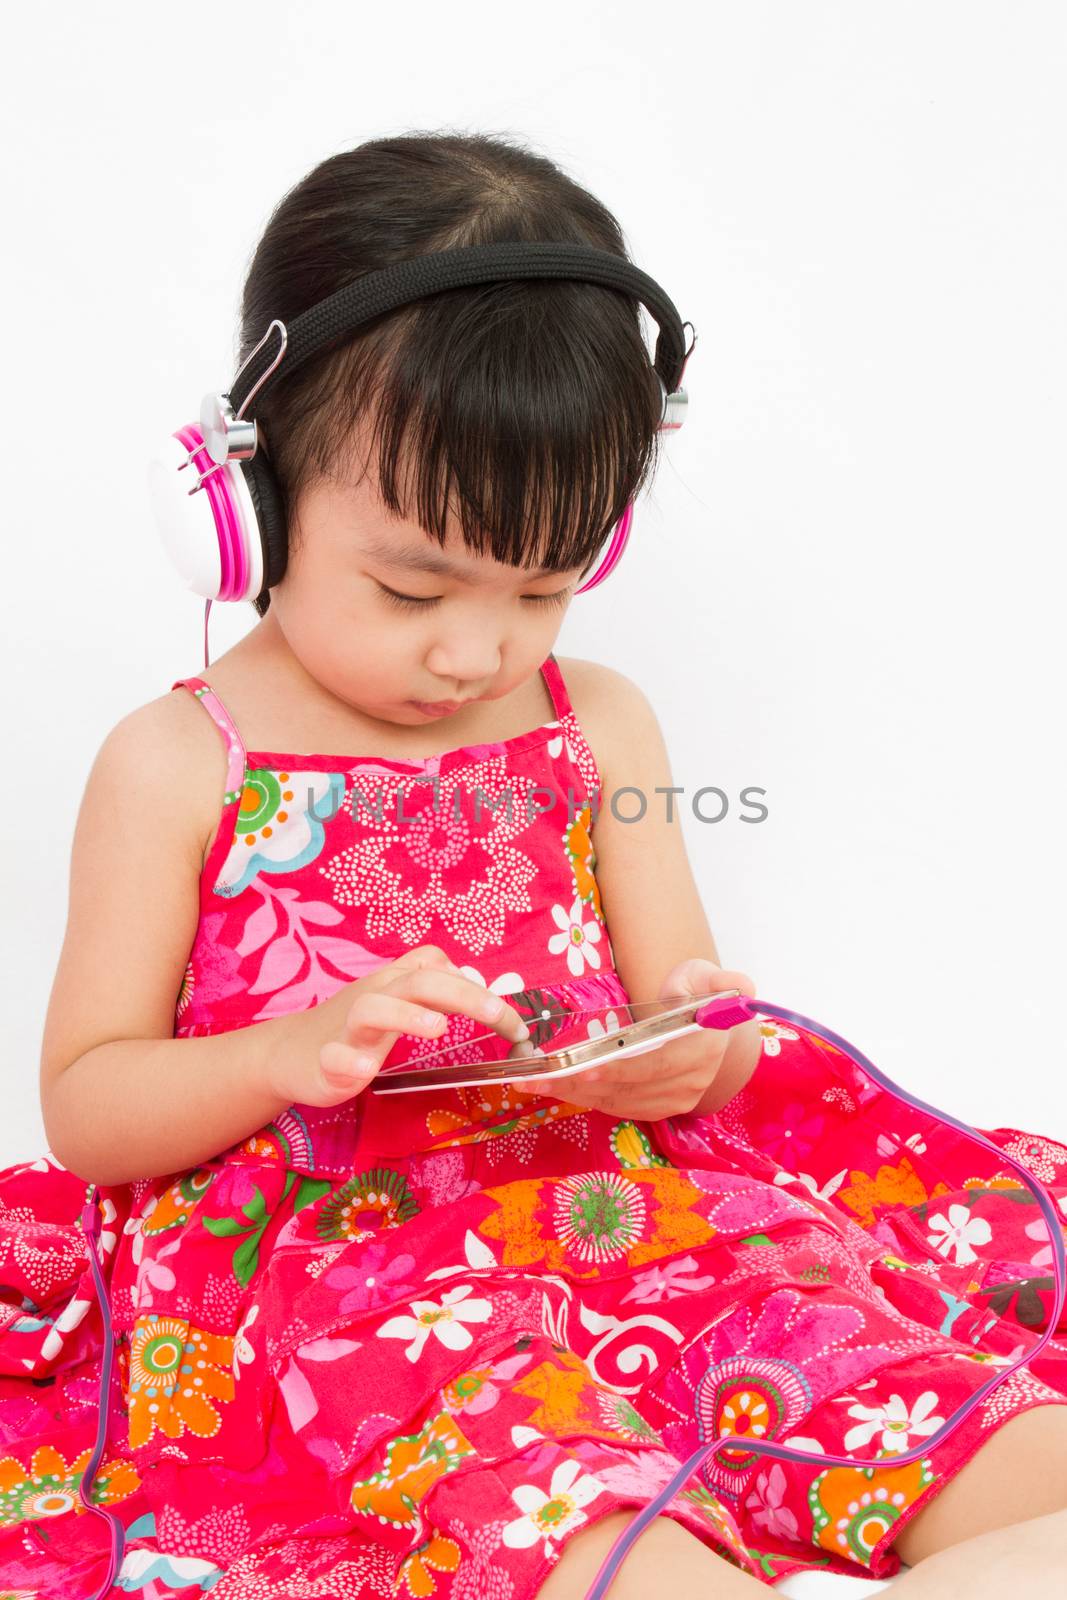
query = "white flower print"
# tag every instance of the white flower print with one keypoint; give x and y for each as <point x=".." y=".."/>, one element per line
<point x="242" y="1349"/>
<point x="829" y="1188"/>
<point x="445" y="1321"/>
<point x="508" y="983"/>
<point x="478" y="1253"/>
<point x="577" y="937"/>
<point x="1042" y="1156"/>
<point x="521" y="1436"/>
<point x="894" y="1422"/>
<point x="281" y="824"/>
<point x="772" y="1035"/>
<point x="958" y="1231"/>
<point x="550" y="1516"/>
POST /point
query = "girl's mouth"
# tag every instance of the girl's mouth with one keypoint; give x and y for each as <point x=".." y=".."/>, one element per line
<point x="437" y="708"/>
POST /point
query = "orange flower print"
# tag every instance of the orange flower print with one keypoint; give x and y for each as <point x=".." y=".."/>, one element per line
<point x="490" y="1110"/>
<point x="416" y="1574"/>
<point x="745" y="1414"/>
<point x="172" y="1374"/>
<point x="413" y="1462"/>
<point x="567" y="1396"/>
<point x="853" y="1508"/>
<point x="176" y="1205"/>
<point x="1000" y="1180"/>
<point x="676" y="1222"/>
<point x="890" y="1187"/>
<point x="578" y="843"/>
<point x="595" y="1217"/>
<point x="48" y="1487"/>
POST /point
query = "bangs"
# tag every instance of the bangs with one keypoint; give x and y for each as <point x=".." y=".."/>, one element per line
<point x="528" y="410"/>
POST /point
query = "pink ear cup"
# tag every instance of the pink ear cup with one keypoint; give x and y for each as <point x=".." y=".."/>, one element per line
<point x="615" y="549"/>
<point x="233" y="549"/>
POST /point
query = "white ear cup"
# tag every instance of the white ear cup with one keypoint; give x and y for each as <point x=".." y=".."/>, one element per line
<point x="212" y="535"/>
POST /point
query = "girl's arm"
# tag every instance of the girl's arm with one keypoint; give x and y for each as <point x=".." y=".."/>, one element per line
<point x="655" y="917"/>
<point x="121" y="1097"/>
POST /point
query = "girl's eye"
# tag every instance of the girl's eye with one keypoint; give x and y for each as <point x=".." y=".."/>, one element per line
<point x="413" y="602"/>
<point x="409" y="602"/>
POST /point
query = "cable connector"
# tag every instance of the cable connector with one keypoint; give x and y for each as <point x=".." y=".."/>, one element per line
<point x="89" y="1221"/>
<point x="725" y="1011"/>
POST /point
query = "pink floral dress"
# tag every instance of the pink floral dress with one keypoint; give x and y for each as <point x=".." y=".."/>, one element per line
<point x="412" y="1345"/>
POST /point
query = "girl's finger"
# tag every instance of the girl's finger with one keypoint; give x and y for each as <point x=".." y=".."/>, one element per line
<point x="379" y="1016"/>
<point x="346" y="1071"/>
<point x="452" y="992"/>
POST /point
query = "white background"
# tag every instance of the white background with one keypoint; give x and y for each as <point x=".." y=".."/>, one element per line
<point x="847" y="584"/>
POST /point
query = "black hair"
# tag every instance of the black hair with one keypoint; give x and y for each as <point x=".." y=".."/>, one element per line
<point x="533" y="405"/>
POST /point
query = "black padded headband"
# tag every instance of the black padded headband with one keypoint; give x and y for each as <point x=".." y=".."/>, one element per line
<point x="384" y="290"/>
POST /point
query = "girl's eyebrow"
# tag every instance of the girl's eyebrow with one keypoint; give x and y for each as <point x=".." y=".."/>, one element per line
<point x="426" y="561"/>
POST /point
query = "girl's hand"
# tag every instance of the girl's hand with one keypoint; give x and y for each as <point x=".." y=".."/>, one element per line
<point x="670" y="1081"/>
<point x="334" y="1050"/>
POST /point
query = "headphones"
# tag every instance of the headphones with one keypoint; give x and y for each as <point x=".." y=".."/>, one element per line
<point x="226" y="532"/>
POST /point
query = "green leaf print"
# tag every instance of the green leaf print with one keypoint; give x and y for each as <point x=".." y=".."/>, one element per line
<point x="310" y="1190"/>
<point x="256" y="1208"/>
<point x="246" y="1257"/>
<point x="223" y="1227"/>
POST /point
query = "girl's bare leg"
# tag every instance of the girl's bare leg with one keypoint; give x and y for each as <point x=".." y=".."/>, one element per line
<point x="1001" y="1522"/>
<point x="1026" y="1558"/>
<point x="667" y="1563"/>
<point x="1020" y="1473"/>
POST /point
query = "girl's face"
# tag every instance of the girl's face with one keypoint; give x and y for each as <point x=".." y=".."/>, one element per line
<point x="382" y="616"/>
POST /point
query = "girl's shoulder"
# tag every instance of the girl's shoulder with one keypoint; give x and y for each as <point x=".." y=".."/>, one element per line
<point x="166" y="753"/>
<point x="608" y="706"/>
<point x="133" y="883"/>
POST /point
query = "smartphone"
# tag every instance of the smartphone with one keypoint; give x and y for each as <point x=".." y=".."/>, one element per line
<point x="445" y="1069"/>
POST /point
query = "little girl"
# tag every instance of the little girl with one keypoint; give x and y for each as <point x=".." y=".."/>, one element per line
<point x="445" y="1344"/>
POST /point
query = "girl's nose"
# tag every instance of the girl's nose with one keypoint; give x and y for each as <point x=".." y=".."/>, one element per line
<point x="467" y="663"/>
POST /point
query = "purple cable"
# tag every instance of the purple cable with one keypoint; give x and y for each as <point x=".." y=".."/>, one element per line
<point x="90" y="1224"/>
<point x="726" y="1015"/>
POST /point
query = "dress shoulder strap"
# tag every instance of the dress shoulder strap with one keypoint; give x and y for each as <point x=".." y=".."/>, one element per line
<point x="235" y="749"/>
<point x="556" y="687"/>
